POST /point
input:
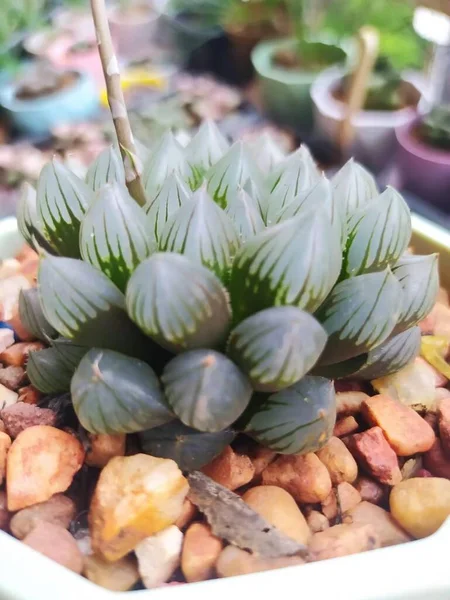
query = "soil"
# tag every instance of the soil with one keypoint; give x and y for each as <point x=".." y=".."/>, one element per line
<point x="39" y="88"/>
<point x="290" y="60"/>
<point x="407" y="94"/>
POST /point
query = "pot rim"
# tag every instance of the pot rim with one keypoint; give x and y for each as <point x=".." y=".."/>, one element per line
<point x="326" y="104"/>
<point x="418" y="148"/>
<point x="9" y="101"/>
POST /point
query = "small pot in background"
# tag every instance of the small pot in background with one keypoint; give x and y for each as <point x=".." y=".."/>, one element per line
<point x="133" y="28"/>
<point x="423" y="169"/>
<point x="374" y="140"/>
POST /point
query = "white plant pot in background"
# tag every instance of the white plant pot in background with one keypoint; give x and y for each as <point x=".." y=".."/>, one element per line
<point x="374" y="142"/>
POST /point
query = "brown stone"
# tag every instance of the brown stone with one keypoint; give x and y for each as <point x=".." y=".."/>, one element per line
<point x="317" y="521"/>
<point x="279" y="508"/>
<point x="305" y="477"/>
<point x="338" y="460"/>
<point x="343" y="540"/>
<point x="7" y="397"/>
<point x="21" y="416"/>
<point x="370" y="490"/>
<point x="58" y="510"/>
<point x="12" y="377"/>
<point x="345" y="426"/>
<point x="261" y="457"/>
<point x="230" y="469"/>
<point x="42" y="461"/>
<point x="341" y="499"/>
<point x="103" y="447"/>
<point x="119" y="576"/>
<point x="375" y="455"/>
<point x="17" y="355"/>
<point x="444" y="424"/>
<point x="349" y="403"/>
<point x="404" y="429"/>
<point x="5" y="443"/>
<point x="188" y="514"/>
<point x="201" y="549"/>
<point x="234" y="561"/>
<point x="5" y="515"/>
<point x="56" y="543"/>
<point x="29" y="395"/>
<point x="436" y="461"/>
<point x="388" y="530"/>
<point x="135" y="497"/>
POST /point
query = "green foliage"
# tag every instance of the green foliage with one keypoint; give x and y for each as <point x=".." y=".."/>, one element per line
<point x="206" y="314"/>
<point x="435" y="127"/>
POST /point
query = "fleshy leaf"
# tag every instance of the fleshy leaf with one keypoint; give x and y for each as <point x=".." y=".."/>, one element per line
<point x="62" y="200"/>
<point x="294" y="263"/>
<point x="115" y="235"/>
<point x="230" y="172"/>
<point x="360" y="314"/>
<point x="32" y="316"/>
<point x="266" y="152"/>
<point x="419" y="278"/>
<point x="378" y="234"/>
<point x="113" y="393"/>
<point x="202" y="231"/>
<point x="204" y="150"/>
<point x="189" y="448"/>
<point x="276" y="347"/>
<point x="353" y="187"/>
<point x="206" y="390"/>
<point x="28" y="221"/>
<point x="245" y="213"/>
<point x="83" y="305"/>
<point x="167" y="157"/>
<point x="318" y="195"/>
<point x="47" y="371"/>
<point x="69" y="352"/>
<point x="180" y="304"/>
<point x="170" y="197"/>
<point x="434" y="350"/>
<point x="341" y="370"/>
<point x="297" y="420"/>
<point x="258" y="192"/>
<point x="106" y="168"/>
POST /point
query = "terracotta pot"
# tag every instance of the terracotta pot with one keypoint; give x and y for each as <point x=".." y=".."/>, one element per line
<point x="423" y="169"/>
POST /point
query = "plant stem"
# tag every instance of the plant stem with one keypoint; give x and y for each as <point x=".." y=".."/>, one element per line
<point x="131" y="162"/>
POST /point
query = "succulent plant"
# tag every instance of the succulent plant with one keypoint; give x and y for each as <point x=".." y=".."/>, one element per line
<point x="227" y="303"/>
<point x="435" y="127"/>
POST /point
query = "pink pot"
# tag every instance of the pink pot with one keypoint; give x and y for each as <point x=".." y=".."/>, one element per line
<point x="132" y="32"/>
<point x="86" y="61"/>
<point x="423" y="170"/>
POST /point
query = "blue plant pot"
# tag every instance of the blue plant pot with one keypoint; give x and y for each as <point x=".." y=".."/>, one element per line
<point x="37" y="117"/>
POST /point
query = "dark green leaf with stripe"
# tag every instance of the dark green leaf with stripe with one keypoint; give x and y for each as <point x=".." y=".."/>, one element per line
<point x="360" y="314"/>
<point x="206" y="390"/>
<point x="106" y="168"/>
<point x="32" y="315"/>
<point x="245" y="213"/>
<point x="28" y="221"/>
<point x="115" y="236"/>
<point x="294" y="263"/>
<point x="70" y="353"/>
<point x="166" y="157"/>
<point x="276" y="347"/>
<point x="189" y="448"/>
<point x="378" y="234"/>
<point x="419" y="278"/>
<point x="353" y="187"/>
<point x="231" y="172"/>
<point x="202" y="231"/>
<point x="297" y="420"/>
<point x="62" y="200"/>
<point x="48" y="372"/>
<point x="113" y="393"/>
<point x="178" y="303"/>
<point x="171" y="196"/>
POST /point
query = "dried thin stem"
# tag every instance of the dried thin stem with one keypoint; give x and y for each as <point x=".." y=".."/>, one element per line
<point x="132" y="164"/>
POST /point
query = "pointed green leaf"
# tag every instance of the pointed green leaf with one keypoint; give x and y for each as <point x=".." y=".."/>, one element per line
<point x="62" y="200"/>
<point x="189" y="448"/>
<point x="359" y="315"/>
<point x="167" y="157"/>
<point x="169" y="199"/>
<point x="266" y="152"/>
<point x="258" y="192"/>
<point x="276" y="347"/>
<point x="294" y="263"/>
<point x="106" y="168"/>
<point x="391" y="356"/>
<point x="245" y="213"/>
<point x="47" y="372"/>
<point x="202" y="231"/>
<point x="83" y="305"/>
<point x="69" y="352"/>
<point x="113" y="393"/>
<point x="378" y="234"/>
<point x="204" y="150"/>
<point x="231" y="172"/>
<point x="115" y="236"/>
<point x="353" y="187"/>
<point x="297" y="420"/>
<point x="32" y="315"/>
<point x="205" y="389"/>
<point x="419" y="278"/>
<point x="178" y="303"/>
<point x="28" y="221"/>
